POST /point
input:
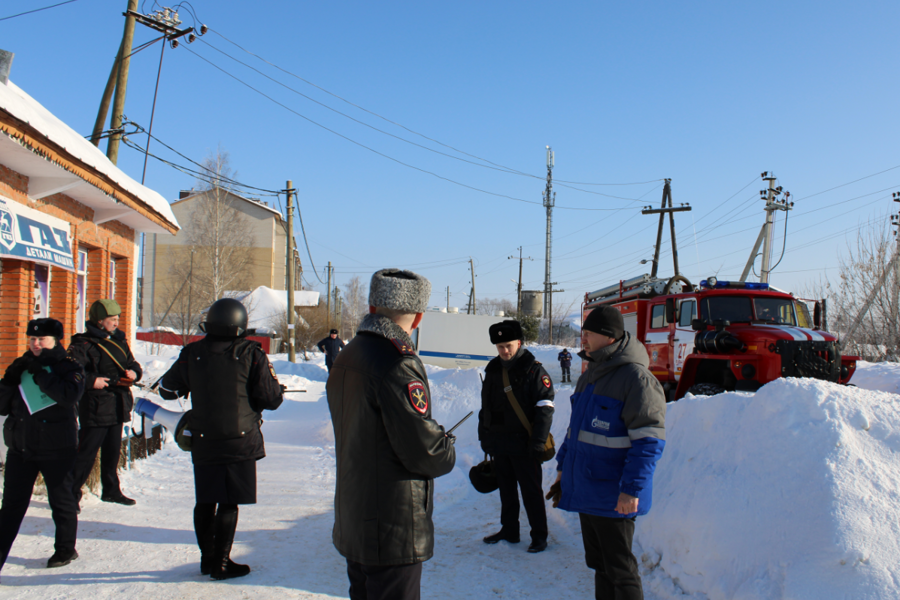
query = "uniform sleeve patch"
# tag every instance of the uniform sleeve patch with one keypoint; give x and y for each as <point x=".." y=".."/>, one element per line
<point x="417" y="396"/>
<point x="272" y="371"/>
<point x="546" y="381"/>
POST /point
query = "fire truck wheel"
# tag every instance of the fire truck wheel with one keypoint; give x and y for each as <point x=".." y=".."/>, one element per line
<point x="705" y="389"/>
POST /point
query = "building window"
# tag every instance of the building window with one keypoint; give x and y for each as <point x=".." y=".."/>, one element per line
<point x="80" y="289"/>
<point x="41" y="292"/>
<point x="112" y="278"/>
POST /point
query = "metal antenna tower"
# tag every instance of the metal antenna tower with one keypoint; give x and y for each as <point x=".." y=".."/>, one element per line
<point x="549" y="203"/>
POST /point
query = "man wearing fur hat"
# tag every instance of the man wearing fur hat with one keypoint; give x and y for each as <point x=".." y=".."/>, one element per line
<point x="388" y="448"/>
<point x="516" y="377"/>
<point x="109" y="371"/>
<point x="617" y="432"/>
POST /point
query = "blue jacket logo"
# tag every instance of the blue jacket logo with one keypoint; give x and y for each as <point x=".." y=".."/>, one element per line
<point x="598" y="424"/>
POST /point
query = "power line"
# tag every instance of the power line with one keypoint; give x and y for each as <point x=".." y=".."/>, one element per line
<point x="28" y="12"/>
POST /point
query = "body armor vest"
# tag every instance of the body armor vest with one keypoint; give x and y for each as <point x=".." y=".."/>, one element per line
<point x="219" y="399"/>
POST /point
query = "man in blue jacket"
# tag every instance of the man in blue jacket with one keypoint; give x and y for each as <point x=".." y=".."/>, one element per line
<point x="616" y="435"/>
<point x="565" y="365"/>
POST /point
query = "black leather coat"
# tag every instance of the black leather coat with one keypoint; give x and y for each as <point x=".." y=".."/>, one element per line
<point x="499" y="428"/>
<point x="111" y="405"/>
<point x="388" y="449"/>
<point x="51" y="433"/>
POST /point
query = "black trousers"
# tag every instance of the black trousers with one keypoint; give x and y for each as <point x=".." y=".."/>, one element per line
<point x="566" y="372"/>
<point x="17" y="487"/>
<point x="108" y="440"/>
<point x="607" y="550"/>
<point x="398" y="582"/>
<point x="525" y="472"/>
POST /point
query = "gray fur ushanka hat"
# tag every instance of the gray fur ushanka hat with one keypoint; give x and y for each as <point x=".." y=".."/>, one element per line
<point x="400" y="290"/>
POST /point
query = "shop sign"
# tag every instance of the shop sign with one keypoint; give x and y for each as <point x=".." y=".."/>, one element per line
<point x="28" y="234"/>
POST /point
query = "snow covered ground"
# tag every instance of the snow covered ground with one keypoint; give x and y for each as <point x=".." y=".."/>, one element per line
<point x="792" y="492"/>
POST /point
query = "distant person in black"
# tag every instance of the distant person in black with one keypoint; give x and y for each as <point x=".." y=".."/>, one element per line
<point x="43" y="442"/>
<point x="565" y="364"/>
<point x="517" y="453"/>
<point x="330" y="346"/>
<point x="231" y="382"/>
<point x="109" y="371"/>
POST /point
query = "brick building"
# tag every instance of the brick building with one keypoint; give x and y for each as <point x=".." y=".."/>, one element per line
<point x="70" y="224"/>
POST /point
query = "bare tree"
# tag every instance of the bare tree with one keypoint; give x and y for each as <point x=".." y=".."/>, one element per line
<point x="492" y="306"/>
<point x="313" y="329"/>
<point x="355" y="306"/>
<point x="563" y="333"/>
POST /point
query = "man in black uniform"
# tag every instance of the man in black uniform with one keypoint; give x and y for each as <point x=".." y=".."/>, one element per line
<point x="387" y="446"/>
<point x="41" y="442"/>
<point x="231" y="382"/>
<point x="330" y="346"/>
<point x="517" y="451"/>
<point x="565" y="365"/>
<point x="109" y="371"/>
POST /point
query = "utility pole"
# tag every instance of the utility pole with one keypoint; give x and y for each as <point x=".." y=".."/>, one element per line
<point x="291" y="316"/>
<point x="549" y="203"/>
<point x="474" y="305"/>
<point x="891" y="266"/>
<point x="767" y="232"/>
<point x="519" y="288"/>
<point x="665" y="209"/>
<point x="107" y="98"/>
<point x="550" y="314"/>
<point x="328" y="299"/>
<point x="112" y="149"/>
<point x="448" y="298"/>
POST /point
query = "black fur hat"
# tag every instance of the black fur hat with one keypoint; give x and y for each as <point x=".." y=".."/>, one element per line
<point x="45" y="327"/>
<point x="507" y="331"/>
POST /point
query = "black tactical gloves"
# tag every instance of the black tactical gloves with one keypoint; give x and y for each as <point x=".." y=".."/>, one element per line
<point x="13" y="376"/>
<point x="555" y="494"/>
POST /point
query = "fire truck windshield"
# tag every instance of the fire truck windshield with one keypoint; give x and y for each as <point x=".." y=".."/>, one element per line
<point x="775" y="310"/>
<point x="727" y="308"/>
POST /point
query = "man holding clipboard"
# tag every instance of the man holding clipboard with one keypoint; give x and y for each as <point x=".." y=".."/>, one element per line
<point x="39" y="392"/>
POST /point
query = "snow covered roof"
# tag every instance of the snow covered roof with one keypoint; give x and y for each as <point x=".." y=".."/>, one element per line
<point x="267" y="306"/>
<point x="58" y="159"/>
<point x="258" y="203"/>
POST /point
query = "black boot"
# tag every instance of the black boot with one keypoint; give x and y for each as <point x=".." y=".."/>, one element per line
<point x="226" y="524"/>
<point x="205" y="529"/>
<point x="509" y="536"/>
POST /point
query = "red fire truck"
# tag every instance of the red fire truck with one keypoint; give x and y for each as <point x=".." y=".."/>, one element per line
<point x="723" y="336"/>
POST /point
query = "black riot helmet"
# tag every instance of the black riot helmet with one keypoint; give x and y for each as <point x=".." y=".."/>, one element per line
<point x="226" y="317"/>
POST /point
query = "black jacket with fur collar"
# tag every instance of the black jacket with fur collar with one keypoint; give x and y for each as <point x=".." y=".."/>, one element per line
<point x="387" y="446"/>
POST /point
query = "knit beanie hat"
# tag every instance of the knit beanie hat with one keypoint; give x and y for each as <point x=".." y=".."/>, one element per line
<point x="45" y="327"/>
<point x="399" y="290"/>
<point x="104" y="308"/>
<point x="507" y="331"/>
<point x="605" y="320"/>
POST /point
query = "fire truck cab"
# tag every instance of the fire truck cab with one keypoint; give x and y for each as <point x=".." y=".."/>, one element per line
<point x="723" y="336"/>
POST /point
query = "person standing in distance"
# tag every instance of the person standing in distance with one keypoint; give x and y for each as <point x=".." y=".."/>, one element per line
<point x="388" y="448"/>
<point x="516" y="451"/>
<point x="231" y="382"/>
<point x="617" y="432"/>
<point x="109" y="371"/>
<point x="565" y="365"/>
<point x="330" y="347"/>
<point x="41" y="442"/>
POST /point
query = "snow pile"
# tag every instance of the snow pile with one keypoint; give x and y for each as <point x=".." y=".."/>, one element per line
<point x="792" y="492"/>
<point x="877" y="376"/>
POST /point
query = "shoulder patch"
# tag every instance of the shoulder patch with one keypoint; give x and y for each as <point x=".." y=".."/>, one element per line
<point x="272" y="371"/>
<point x="417" y="396"/>
<point x="402" y="346"/>
<point x="546" y="381"/>
<point x="78" y="377"/>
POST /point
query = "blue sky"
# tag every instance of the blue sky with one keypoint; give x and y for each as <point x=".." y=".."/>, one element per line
<point x="709" y="94"/>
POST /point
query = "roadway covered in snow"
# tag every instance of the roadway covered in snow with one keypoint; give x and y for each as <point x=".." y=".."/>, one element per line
<point x="789" y="493"/>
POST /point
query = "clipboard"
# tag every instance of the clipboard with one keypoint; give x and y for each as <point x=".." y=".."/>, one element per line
<point x="34" y="398"/>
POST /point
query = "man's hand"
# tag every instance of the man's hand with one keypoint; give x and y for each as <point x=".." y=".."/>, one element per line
<point x="131" y="374"/>
<point x="627" y="504"/>
<point x="101" y="382"/>
<point x="451" y="437"/>
<point x="555" y="492"/>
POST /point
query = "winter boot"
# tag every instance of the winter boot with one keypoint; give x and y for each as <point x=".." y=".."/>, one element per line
<point x="226" y="524"/>
<point x="61" y="558"/>
<point x="205" y="529"/>
<point x="509" y="536"/>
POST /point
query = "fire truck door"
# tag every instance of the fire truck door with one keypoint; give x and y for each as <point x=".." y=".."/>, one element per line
<point x="657" y="342"/>
<point x="684" y="334"/>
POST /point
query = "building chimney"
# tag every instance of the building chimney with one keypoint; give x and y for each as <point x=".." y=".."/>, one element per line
<point x="6" y="59"/>
<point x="184" y="194"/>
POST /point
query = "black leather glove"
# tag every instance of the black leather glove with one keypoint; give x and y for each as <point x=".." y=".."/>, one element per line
<point x="452" y="438"/>
<point x="35" y="367"/>
<point x="536" y="449"/>
<point x="13" y="376"/>
<point x="555" y="494"/>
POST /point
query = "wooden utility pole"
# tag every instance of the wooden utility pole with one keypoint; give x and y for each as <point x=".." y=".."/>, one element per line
<point x="519" y="288"/>
<point x="474" y="306"/>
<point x="112" y="150"/>
<point x="666" y="208"/>
<point x="448" y="298"/>
<point x="328" y="314"/>
<point x="106" y="99"/>
<point x="291" y="316"/>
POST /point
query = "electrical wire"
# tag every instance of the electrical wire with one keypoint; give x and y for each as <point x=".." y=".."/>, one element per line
<point x="28" y="12"/>
<point x="308" y="253"/>
<point x="383" y="155"/>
